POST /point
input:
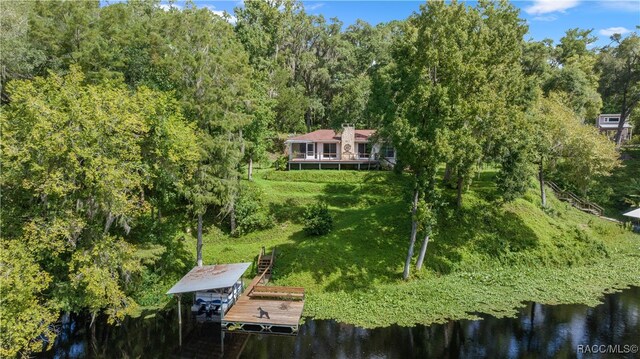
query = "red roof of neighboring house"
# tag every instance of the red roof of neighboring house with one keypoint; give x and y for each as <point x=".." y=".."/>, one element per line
<point x="331" y="136"/>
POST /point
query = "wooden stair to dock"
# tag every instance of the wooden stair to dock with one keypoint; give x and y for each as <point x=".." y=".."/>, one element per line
<point x="265" y="262"/>
<point x="257" y="289"/>
<point x="575" y="201"/>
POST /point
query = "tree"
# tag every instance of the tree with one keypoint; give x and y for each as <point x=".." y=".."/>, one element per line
<point x="170" y="152"/>
<point x="550" y="119"/>
<point x="300" y="55"/>
<point x="350" y="103"/>
<point x="263" y="28"/>
<point x="573" y="72"/>
<point x="67" y="33"/>
<point x="586" y="156"/>
<point x="258" y="131"/>
<point x="571" y="151"/>
<point x="412" y="121"/>
<point x="210" y="72"/>
<point x="620" y="80"/>
<point x="458" y="86"/>
<point x="78" y="159"/>
<point x="20" y="59"/>
<point x="575" y="44"/>
<point x="27" y="319"/>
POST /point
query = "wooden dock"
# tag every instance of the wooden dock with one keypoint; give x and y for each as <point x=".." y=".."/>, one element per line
<point x="283" y="305"/>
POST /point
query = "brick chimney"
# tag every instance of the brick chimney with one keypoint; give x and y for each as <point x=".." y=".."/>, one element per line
<point x="348" y="151"/>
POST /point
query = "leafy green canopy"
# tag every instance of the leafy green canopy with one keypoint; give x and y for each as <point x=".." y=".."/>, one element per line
<point x="78" y="160"/>
<point x="620" y="80"/>
<point x="458" y="88"/>
<point x="209" y="71"/>
<point x="25" y="315"/>
<point x="568" y="67"/>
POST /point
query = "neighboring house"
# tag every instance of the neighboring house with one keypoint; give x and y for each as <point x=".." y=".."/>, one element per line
<point x="608" y="124"/>
<point x="349" y="148"/>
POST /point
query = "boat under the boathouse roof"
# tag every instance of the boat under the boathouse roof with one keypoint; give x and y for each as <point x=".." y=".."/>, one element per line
<point x="216" y="288"/>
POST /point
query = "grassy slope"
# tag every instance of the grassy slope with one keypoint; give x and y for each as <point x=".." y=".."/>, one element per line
<point x="486" y="258"/>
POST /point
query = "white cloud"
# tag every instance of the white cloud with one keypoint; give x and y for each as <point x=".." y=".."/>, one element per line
<point x="314" y="6"/>
<point x="541" y="7"/>
<point x="622" y="5"/>
<point x="167" y="7"/>
<point x="546" y="18"/>
<point x="223" y="14"/>
<point x="614" y="30"/>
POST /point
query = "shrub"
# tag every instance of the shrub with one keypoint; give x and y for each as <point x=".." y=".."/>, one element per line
<point x="252" y="213"/>
<point x="317" y="219"/>
<point x="281" y="163"/>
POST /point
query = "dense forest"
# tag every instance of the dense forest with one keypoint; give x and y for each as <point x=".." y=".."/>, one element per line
<point x="116" y="116"/>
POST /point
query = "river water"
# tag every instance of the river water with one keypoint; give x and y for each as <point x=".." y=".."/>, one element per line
<point x="539" y="331"/>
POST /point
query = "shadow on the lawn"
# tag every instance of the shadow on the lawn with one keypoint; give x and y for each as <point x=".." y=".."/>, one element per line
<point x="371" y="235"/>
<point x="365" y="246"/>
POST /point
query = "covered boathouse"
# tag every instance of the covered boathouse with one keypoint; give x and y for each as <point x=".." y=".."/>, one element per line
<point x="218" y="296"/>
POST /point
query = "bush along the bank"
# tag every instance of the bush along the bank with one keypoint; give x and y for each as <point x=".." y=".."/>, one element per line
<point x="317" y="219"/>
<point x="252" y="213"/>
<point x="281" y="163"/>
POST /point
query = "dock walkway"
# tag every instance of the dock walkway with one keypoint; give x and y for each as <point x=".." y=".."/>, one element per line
<point x="283" y="305"/>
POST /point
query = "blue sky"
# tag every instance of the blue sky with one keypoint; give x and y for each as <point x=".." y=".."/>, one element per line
<point x="546" y="18"/>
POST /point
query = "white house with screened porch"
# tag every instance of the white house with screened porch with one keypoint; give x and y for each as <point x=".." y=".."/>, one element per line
<point x="349" y="148"/>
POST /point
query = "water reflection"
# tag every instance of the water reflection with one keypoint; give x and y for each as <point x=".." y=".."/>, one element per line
<point x="538" y="331"/>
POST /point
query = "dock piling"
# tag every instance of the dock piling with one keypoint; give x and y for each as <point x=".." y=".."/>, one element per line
<point x="179" y="321"/>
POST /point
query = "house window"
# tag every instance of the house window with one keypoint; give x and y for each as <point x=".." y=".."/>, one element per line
<point x="298" y="150"/>
<point x="330" y="150"/>
<point x="612" y="119"/>
<point x="388" y="151"/>
<point x="364" y="150"/>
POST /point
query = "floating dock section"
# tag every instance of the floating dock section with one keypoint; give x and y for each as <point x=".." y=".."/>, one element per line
<point x="266" y="309"/>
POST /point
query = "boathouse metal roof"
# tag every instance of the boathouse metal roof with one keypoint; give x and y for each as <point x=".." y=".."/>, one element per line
<point x="634" y="214"/>
<point x="210" y="277"/>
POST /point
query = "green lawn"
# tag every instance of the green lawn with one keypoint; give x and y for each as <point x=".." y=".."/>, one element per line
<point x="485" y="258"/>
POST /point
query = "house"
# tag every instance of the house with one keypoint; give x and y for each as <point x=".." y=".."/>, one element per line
<point x="348" y="149"/>
<point x="608" y="124"/>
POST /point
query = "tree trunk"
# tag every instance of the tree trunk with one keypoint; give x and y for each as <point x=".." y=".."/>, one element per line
<point x="307" y="119"/>
<point x="94" y="342"/>
<point x="618" y="137"/>
<point x="447" y="174"/>
<point x="232" y="218"/>
<point x="199" y="243"/>
<point x="414" y="230"/>
<point x="250" y="174"/>
<point x="423" y="252"/>
<point x="460" y="183"/>
<point x="543" y="195"/>
<point x="242" y="147"/>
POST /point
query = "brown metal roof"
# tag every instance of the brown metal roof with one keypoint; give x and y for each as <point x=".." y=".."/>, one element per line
<point x="210" y="277"/>
<point x="330" y="136"/>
